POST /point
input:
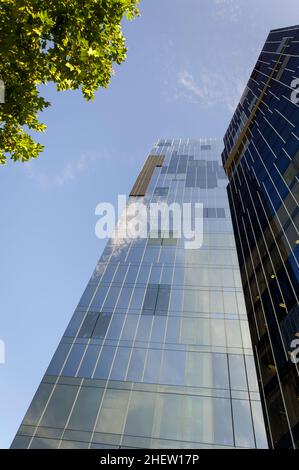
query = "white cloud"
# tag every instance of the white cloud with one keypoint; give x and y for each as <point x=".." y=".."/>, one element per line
<point x="69" y="172"/>
<point x="211" y="89"/>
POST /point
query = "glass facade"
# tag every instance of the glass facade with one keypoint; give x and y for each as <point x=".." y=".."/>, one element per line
<point x="261" y="158"/>
<point x="158" y="352"/>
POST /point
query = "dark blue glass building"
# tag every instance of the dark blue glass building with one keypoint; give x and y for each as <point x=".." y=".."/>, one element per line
<point x="158" y="352"/>
<point x="261" y="158"/>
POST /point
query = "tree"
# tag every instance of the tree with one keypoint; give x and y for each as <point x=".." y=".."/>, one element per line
<point x="73" y="43"/>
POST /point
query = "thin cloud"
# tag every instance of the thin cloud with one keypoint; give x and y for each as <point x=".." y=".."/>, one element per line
<point x="211" y="88"/>
<point x="230" y="9"/>
<point x="69" y="172"/>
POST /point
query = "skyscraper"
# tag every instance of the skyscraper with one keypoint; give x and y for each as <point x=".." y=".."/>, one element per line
<point x="261" y="158"/>
<point x="158" y="352"/>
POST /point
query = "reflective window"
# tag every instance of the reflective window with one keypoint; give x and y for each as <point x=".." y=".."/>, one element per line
<point x="140" y="414"/>
<point x="89" y="361"/>
<point x="104" y="363"/>
<point x="173" y="367"/>
<point x="37" y="405"/>
<point x="113" y="411"/>
<point x="86" y="407"/>
<point x="120" y="364"/>
<point x="243" y="424"/>
<point x="59" y="406"/>
<point x="58" y="359"/>
<point x="88" y="325"/>
<point x="237" y="372"/>
<point x="136" y="367"/>
<point x="153" y="365"/>
<point x="73" y="360"/>
<point x="102" y="325"/>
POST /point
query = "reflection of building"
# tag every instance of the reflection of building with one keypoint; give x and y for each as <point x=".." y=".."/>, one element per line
<point x="158" y="352"/>
<point x="261" y="157"/>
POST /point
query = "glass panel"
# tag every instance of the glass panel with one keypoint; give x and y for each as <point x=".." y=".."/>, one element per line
<point x="75" y="323"/>
<point x="85" y="410"/>
<point x="113" y="411"/>
<point x="88" y="325"/>
<point x="233" y="333"/>
<point x="73" y="360"/>
<point x="89" y="361"/>
<point x="140" y="414"/>
<point x="136" y="367"/>
<point x="58" y="359"/>
<point x="243" y="424"/>
<point x="150" y="299"/>
<point x="259" y="426"/>
<point x="153" y="365"/>
<point x="223" y="426"/>
<point x="158" y="329"/>
<point x="137" y="298"/>
<point x="120" y="364"/>
<point x="144" y="328"/>
<point x="251" y="374"/>
<point x="99" y="298"/>
<point x="111" y="299"/>
<point x="237" y="372"/>
<point x="59" y="406"/>
<point x="173" y="367"/>
<point x="129" y="329"/>
<point x="163" y="300"/>
<point x="102" y="325"/>
<point x="115" y="327"/>
<point x="104" y="364"/>
<point x="124" y="297"/>
<point x="37" y="405"/>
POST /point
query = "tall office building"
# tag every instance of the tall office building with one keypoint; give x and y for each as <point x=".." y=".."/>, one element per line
<point x="158" y="352"/>
<point x="261" y="158"/>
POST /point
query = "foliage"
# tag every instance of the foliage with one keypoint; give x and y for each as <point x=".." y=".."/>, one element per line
<point x="73" y="43"/>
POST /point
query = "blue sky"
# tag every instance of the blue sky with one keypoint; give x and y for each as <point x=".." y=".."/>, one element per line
<point x="187" y="65"/>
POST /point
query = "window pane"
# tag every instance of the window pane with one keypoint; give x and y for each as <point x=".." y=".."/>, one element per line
<point x="144" y="328"/>
<point x="99" y="298"/>
<point x="243" y="423"/>
<point x="163" y="300"/>
<point x="88" y="325"/>
<point x="37" y="405"/>
<point x="59" y="406"/>
<point x="113" y="411"/>
<point x="58" y="359"/>
<point x="153" y="365"/>
<point x="89" y="361"/>
<point x="115" y="326"/>
<point x="173" y="367"/>
<point x="120" y="364"/>
<point x="158" y="329"/>
<point x="141" y="414"/>
<point x="223" y="422"/>
<point x="136" y="367"/>
<point x="237" y="372"/>
<point x="150" y="300"/>
<point x="73" y="360"/>
<point x="102" y="325"/>
<point x="128" y="332"/>
<point x="85" y="410"/>
<point x="104" y="364"/>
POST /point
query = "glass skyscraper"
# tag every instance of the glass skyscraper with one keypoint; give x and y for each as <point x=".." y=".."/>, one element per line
<point x="158" y="352"/>
<point x="261" y="158"/>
